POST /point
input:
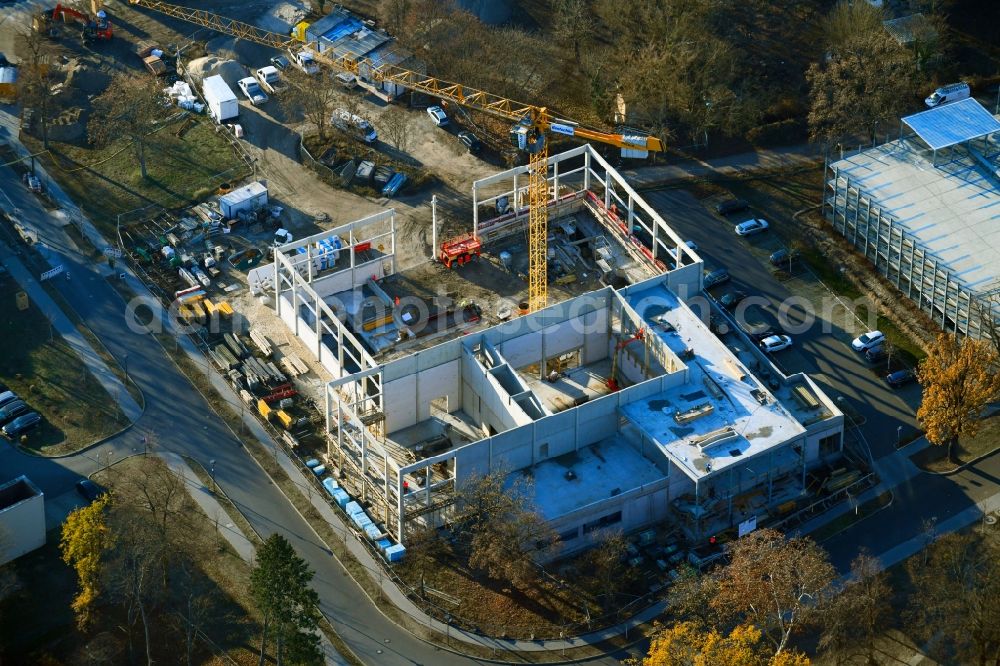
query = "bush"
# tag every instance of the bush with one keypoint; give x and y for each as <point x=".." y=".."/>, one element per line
<point x="781" y="133"/>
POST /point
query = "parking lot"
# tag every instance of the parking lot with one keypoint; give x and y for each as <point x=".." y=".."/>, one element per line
<point x="821" y="347"/>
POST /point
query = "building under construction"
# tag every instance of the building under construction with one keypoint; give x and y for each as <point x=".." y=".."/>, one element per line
<point x="618" y="402"/>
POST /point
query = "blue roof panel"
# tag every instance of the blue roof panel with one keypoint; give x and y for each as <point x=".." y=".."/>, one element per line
<point x="953" y="123"/>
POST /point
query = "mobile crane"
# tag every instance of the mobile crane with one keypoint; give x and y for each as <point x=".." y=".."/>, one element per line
<point x="529" y="133"/>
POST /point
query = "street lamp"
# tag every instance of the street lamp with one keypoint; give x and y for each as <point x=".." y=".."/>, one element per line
<point x="899" y="435"/>
<point x="125" y="363"/>
<point x="212" y="464"/>
<point x="110" y="453"/>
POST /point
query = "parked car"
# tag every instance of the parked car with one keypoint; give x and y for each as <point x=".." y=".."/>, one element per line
<point x="876" y="354"/>
<point x="89" y="490"/>
<point x="470" y="141"/>
<point x="12" y="410"/>
<point x="775" y="343"/>
<point x="782" y="257"/>
<point x="281" y="62"/>
<point x="32" y="182"/>
<point x="22" y="424"/>
<point x="252" y="90"/>
<point x="762" y="335"/>
<point x="716" y="277"/>
<point x="867" y="341"/>
<point x="437" y="115"/>
<point x="752" y="226"/>
<point x="900" y="378"/>
<point x="7" y="397"/>
<point x="731" y="299"/>
<point x="730" y="206"/>
<point x="952" y="92"/>
<point x="347" y="121"/>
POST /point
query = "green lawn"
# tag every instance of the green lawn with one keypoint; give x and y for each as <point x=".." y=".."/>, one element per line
<point x="47" y="373"/>
<point x="935" y="458"/>
<point x="107" y="182"/>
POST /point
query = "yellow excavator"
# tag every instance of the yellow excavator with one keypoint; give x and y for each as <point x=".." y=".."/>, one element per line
<point x="529" y="132"/>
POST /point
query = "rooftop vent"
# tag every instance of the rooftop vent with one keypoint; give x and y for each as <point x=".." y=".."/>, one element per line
<point x="696" y="412"/>
<point x="724" y="435"/>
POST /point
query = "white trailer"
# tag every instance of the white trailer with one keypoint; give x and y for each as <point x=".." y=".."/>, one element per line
<point x="248" y="197"/>
<point x="222" y="102"/>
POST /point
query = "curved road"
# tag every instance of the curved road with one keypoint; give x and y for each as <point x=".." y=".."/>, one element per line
<point x="184" y="423"/>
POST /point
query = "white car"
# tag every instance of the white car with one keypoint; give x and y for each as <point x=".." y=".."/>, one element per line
<point x="775" y="343"/>
<point x="438" y="116"/>
<point x="752" y="226"/>
<point x="252" y="90"/>
<point x="867" y="341"/>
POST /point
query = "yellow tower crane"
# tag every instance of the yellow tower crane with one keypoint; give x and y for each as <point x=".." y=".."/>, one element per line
<point x="532" y="124"/>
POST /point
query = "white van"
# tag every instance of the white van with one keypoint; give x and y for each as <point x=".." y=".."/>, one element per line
<point x="345" y="120"/>
<point x="952" y="92"/>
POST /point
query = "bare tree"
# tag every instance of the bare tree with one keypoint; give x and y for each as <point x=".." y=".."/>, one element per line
<point x="129" y="108"/>
<point x="859" y="613"/>
<point x="606" y="563"/>
<point x="36" y="78"/>
<point x="954" y="605"/>
<point x="776" y="583"/>
<point x="395" y="125"/>
<point x="135" y="573"/>
<point x="868" y="81"/>
<point x="499" y="528"/>
<point x="313" y="99"/>
<point x="573" y="23"/>
<point x="395" y="15"/>
<point x="849" y="20"/>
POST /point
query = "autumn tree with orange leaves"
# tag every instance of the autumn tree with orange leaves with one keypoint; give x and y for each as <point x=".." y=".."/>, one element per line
<point x="687" y="644"/>
<point x="959" y="380"/>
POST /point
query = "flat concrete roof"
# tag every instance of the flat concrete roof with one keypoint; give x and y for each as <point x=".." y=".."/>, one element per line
<point x="722" y="415"/>
<point x="593" y="474"/>
<point x="952" y="209"/>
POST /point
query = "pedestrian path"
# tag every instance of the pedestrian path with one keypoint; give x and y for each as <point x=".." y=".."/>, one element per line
<point x="205" y="499"/>
<point x="62" y="325"/>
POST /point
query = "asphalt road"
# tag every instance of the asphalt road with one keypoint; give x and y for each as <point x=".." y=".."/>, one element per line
<point x="181" y="421"/>
<point x="825" y="356"/>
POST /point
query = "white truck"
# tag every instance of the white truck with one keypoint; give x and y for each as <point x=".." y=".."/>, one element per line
<point x="305" y="61"/>
<point x="252" y="90"/>
<point x="270" y="80"/>
<point x="222" y="103"/>
<point x="348" y="122"/>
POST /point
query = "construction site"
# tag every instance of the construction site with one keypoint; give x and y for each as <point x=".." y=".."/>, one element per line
<point x="615" y="399"/>
<point x="545" y="322"/>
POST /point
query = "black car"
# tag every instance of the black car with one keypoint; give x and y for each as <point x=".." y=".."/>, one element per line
<point x="470" y="141"/>
<point x="280" y="62"/>
<point x="900" y="378"/>
<point x="89" y="490"/>
<point x="731" y="299"/>
<point x="876" y="354"/>
<point x="22" y="424"/>
<point x="12" y="410"/>
<point x="730" y="206"/>
<point x="717" y="276"/>
<point x="782" y="257"/>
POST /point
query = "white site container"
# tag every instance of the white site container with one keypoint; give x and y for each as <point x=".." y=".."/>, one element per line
<point x="222" y="102"/>
<point x="248" y="197"/>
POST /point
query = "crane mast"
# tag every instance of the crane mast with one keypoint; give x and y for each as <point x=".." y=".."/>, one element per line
<point x="532" y="124"/>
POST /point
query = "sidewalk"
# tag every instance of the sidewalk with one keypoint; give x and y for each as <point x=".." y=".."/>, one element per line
<point x="205" y="499"/>
<point x="245" y="548"/>
<point x="62" y="325"/>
